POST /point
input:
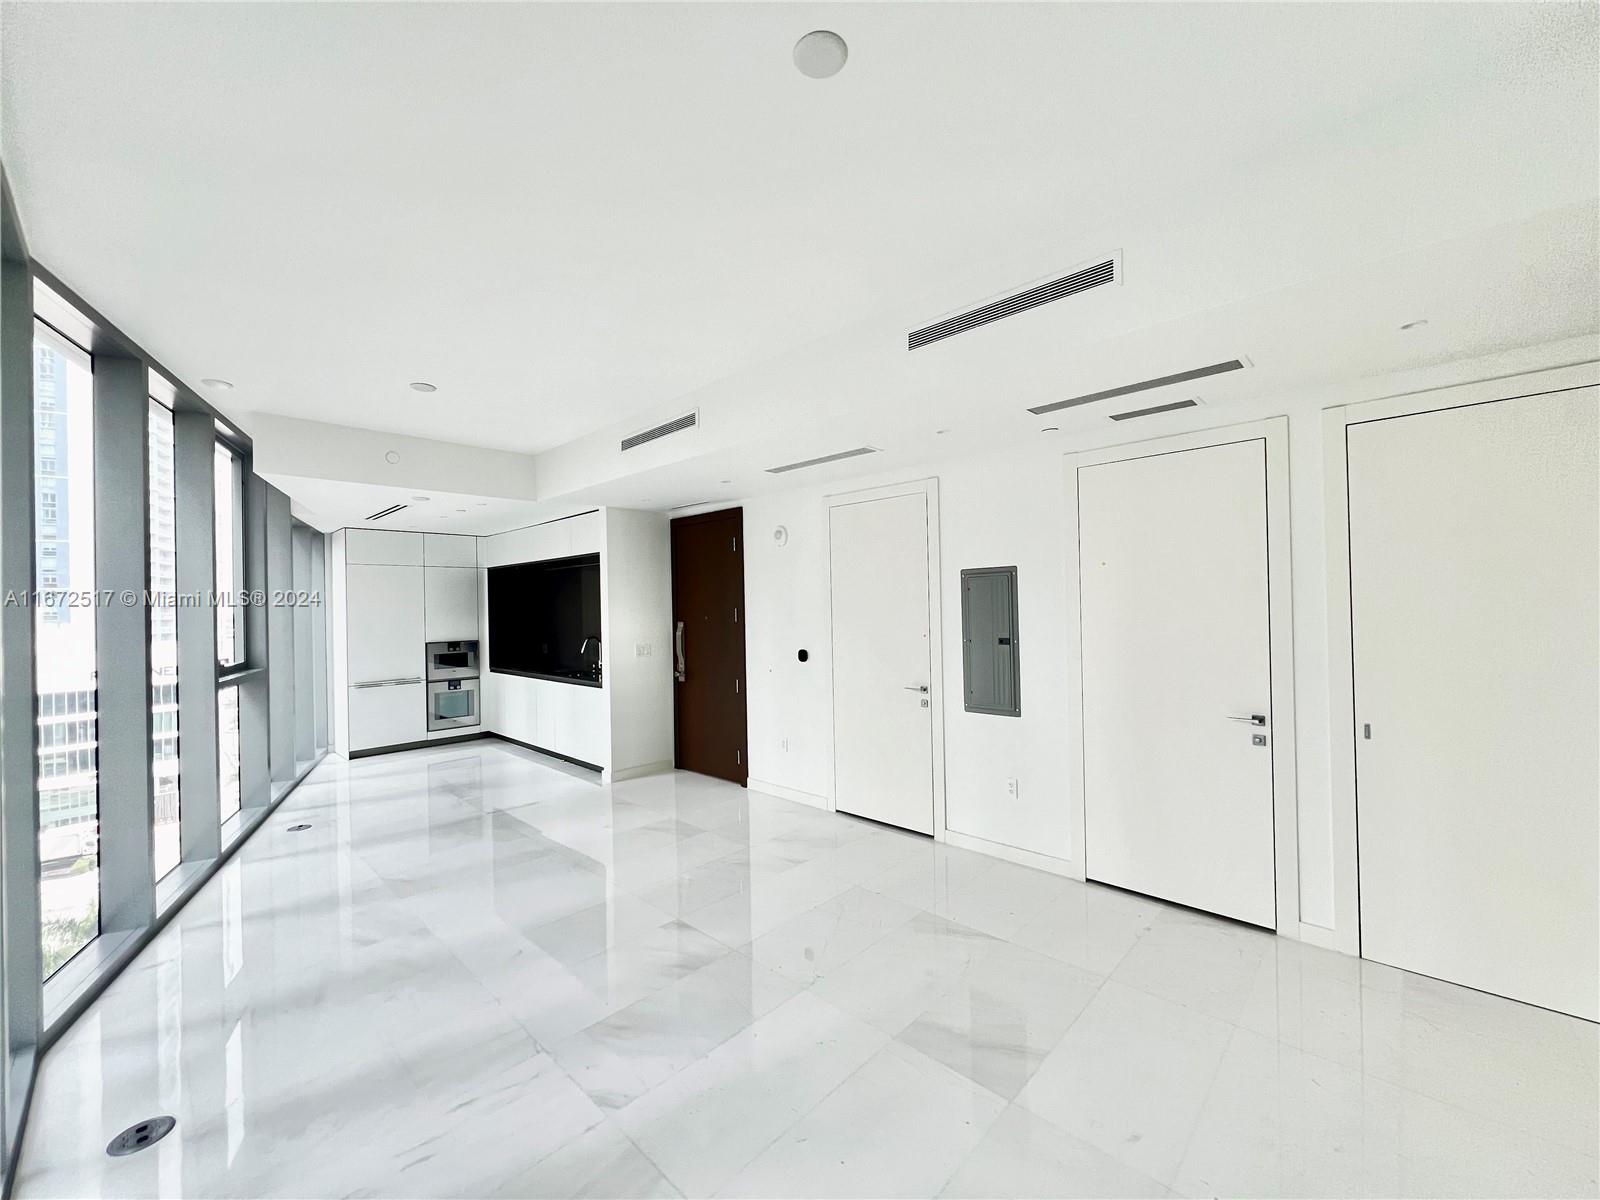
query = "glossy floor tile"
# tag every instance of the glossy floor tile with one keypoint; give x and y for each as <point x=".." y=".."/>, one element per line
<point x="481" y="973"/>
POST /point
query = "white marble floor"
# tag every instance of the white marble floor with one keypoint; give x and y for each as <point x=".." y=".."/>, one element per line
<point x="480" y="974"/>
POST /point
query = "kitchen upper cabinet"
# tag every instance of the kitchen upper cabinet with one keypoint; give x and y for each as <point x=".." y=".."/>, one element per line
<point x="449" y="550"/>
<point x="450" y="603"/>
<point x="383" y="547"/>
<point x="390" y="715"/>
<point x="385" y="637"/>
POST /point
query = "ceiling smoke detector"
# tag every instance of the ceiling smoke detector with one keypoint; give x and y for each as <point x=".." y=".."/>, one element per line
<point x="820" y="54"/>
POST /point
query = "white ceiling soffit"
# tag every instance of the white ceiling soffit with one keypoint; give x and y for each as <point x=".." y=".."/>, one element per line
<point x="576" y="220"/>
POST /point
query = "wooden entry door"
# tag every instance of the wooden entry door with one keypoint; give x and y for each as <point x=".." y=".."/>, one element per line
<point x="708" y="645"/>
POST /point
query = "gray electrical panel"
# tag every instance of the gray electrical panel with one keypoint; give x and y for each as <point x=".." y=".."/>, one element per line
<point x="989" y="651"/>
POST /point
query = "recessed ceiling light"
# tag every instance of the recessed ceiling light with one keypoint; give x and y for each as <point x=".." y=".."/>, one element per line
<point x="820" y="53"/>
<point x="419" y="386"/>
<point x="419" y="497"/>
<point x="1051" y="429"/>
<point x="1415" y="324"/>
<point x="941" y="432"/>
<point x="218" y="383"/>
<point x="461" y="510"/>
<point x="483" y="504"/>
<point x="724" y="481"/>
<point x="392" y="457"/>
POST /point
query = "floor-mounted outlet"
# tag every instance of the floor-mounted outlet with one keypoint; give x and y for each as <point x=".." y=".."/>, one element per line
<point x="1011" y="788"/>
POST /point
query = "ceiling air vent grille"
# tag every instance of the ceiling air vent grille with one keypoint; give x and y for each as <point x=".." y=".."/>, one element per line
<point x="1100" y="273"/>
<point x="1144" y="385"/>
<point x="386" y="512"/>
<point x="826" y="458"/>
<point x="688" y="421"/>
<point x="1154" y="409"/>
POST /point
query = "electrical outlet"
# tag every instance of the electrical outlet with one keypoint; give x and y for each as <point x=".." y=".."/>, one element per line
<point x="1011" y="788"/>
<point x="786" y="745"/>
<point x="641" y="649"/>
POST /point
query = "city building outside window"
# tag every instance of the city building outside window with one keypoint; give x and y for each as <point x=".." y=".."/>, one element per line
<point x="165" y="839"/>
<point x="68" y="783"/>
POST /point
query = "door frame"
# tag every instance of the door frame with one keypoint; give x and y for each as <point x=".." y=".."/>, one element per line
<point x="929" y="490"/>
<point x="1346" y="935"/>
<point x="1274" y="432"/>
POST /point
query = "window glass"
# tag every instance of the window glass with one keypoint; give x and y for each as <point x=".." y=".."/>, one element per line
<point x="163" y="640"/>
<point x="229" y="516"/>
<point x="64" y="628"/>
<point x="228" y="749"/>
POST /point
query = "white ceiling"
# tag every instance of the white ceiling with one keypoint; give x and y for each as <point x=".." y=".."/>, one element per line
<point x="577" y="219"/>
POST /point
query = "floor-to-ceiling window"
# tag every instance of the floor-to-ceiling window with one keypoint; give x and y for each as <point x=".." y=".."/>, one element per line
<point x="64" y="649"/>
<point x="228" y="518"/>
<point x="167" y="849"/>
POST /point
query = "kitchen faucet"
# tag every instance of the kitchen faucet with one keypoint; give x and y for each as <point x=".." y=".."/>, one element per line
<point x="584" y="649"/>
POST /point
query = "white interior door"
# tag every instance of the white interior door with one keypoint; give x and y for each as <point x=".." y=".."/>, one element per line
<point x="882" y="673"/>
<point x="1178" y="798"/>
<point x="1473" y="583"/>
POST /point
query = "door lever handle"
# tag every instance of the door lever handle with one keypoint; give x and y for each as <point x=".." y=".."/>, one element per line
<point x="677" y="644"/>
<point x="1253" y="719"/>
<point x="923" y="688"/>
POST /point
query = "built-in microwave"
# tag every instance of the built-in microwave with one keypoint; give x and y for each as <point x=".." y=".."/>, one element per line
<point x="453" y="703"/>
<point x="452" y="660"/>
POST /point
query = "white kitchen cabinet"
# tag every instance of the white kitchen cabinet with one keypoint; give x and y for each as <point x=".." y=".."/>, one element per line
<point x="450" y="603"/>
<point x="383" y="547"/>
<point x="388" y="715"/>
<point x="385" y="638"/>
<point x="449" y="550"/>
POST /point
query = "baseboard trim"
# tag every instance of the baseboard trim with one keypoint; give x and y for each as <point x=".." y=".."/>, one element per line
<point x="577" y="762"/>
<point x="619" y="774"/>
<point x="788" y="793"/>
<point x="1015" y="854"/>
<point x="422" y="745"/>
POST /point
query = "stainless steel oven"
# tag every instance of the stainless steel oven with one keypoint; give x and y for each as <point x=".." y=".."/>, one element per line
<point x="452" y="660"/>
<point x="453" y="704"/>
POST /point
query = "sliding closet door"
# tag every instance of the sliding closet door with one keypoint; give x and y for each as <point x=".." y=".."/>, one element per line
<point x="1473" y="578"/>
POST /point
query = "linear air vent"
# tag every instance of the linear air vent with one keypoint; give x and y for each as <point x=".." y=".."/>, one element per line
<point x="1154" y="409"/>
<point x="1102" y="272"/>
<point x="826" y="458"/>
<point x="1233" y="364"/>
<point x="688" y="421"/>
<point x="385" y="512"/>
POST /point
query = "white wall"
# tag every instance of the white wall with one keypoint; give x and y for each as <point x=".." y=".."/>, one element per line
<point x="582" y="534"/>
<point x="999" y="510"/>
<point x="636" y="615"/>
<point x="1009" y="508"/>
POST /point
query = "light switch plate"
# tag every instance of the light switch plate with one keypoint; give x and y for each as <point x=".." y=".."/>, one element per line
<point x="641" y="649"/>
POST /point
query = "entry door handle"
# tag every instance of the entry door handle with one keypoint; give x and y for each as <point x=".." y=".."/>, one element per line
<point x="677" y="642"/>
<point x="923" y="688"/>
<point x="1253" y="719"/>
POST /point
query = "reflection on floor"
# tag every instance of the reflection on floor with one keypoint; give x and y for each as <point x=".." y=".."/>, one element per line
<point x="480" y="974"/>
